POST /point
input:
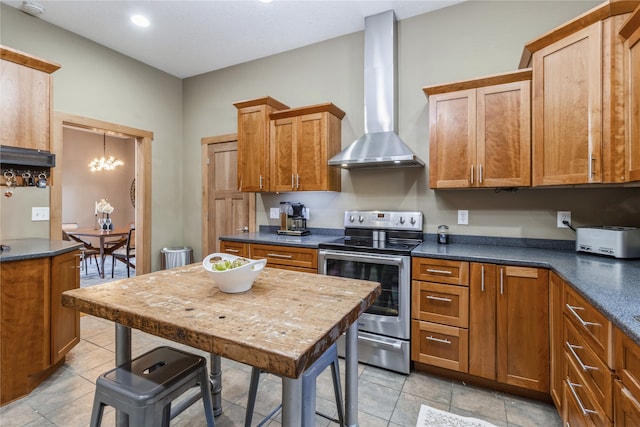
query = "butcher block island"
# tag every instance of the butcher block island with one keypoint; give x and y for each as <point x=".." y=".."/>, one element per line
<point x="281" y="325"/>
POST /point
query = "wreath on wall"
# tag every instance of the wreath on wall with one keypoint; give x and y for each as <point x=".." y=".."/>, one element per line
<point x="132" y="193"/>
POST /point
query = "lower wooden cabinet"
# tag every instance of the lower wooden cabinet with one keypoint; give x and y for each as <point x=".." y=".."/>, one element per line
<point x="35" y="330"/>
<point x="509" y="325"/>
<point x="627" y="412"/>
<point x="627" y="388"/>
<point x="439" y="345"/>
<point x="277" y="256"/>
<point x="582" y="407"/>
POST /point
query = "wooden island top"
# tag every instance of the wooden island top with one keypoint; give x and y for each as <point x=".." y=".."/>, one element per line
<point x="281" y="325"/>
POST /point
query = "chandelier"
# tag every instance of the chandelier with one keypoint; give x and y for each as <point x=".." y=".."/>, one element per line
<point x="104" y="163"/>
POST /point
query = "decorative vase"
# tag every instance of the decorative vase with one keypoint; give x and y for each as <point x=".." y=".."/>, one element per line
<point x="106" y="223"/>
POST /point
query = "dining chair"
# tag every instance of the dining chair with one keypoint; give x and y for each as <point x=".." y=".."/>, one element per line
<point x="126" y="253"/>
<point x="86" y="251"/>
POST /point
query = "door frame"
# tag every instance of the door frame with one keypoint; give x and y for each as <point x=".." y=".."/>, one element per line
<point x="143" y="141"/>
<point x="219" y="139"/>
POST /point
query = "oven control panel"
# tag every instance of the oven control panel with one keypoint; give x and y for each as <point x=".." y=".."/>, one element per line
<point x="389" y="220"/>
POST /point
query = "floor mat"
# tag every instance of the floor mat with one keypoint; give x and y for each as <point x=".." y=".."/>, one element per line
<point x="431" y="417"/>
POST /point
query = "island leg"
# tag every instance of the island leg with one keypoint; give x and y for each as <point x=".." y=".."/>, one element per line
<point x="351" y="376"/>
<point x="216" y="383"/>
<point x="292" y="402"/>
<point x="123" y="355"/>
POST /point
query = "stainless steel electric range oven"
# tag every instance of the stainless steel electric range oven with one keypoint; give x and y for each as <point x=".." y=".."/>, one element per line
<point x="377" y="246"/>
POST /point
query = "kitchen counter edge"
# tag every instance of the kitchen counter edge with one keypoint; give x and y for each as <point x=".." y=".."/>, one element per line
<point x="30" y="248"/>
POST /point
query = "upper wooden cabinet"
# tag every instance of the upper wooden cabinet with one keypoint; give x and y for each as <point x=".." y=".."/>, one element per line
<point x="25" y="100"/>
<point x="578" y="115"/>
<point x="631" y="33"/>
<point x="480" y="132"/>
<point x="302" y="142"/>
<point x="253" y="142"/>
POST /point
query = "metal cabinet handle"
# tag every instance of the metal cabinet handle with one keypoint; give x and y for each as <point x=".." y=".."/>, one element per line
<point x="438" y="298"/>
<point x="440" y="340"/>
<point x="431" y="270"/>
<point x="471" y="175"/>
<point x="233" y="251"/>
<point x="584" y="323"/>
<point x="480" y="173"/>
<point x="297" y="181"/>
<point x="584" y="367"/>
<point x="292" y="182"/>
<point x="261" y="182"/>
<point x="584" y="410"/>
<point x="502" y="281"/>
<point x="592" y="169"/>
<point x="280" y="256"/>
<point x="482" y="278"/>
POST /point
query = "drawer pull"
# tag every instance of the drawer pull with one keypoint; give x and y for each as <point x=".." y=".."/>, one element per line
<point x="584" y="367"/>
<point x="280" y="256"/>
<point x="233" y="251"/>
<point x="584" y="323"/>
<point x="584" y="410"/>
<point x="438" y="298"/>
<point x="482" y="277"/>
<point x="440" y="340"/>
<point x="431" y="270"/>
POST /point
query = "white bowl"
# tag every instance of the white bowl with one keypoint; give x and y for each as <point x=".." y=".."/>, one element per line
<point x="239" y="279"/>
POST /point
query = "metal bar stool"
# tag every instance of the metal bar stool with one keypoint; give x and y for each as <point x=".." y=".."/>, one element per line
<point x="330" y="357"/>
<point x="145" y="387"/>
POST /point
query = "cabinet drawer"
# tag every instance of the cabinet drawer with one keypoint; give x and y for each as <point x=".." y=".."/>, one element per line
<point x="445" y="304"/>
<point x="235" y="248"/>
<point x="439" y="345"/>
<point x="627" y="362"/>
<point x="627" y="407"/>
<point x="440" y="270"/>
<point x="286" y="255"/>
<point x="596" y="374"/>
<point x="580" y="399"/>
<point x="596" y="329"/>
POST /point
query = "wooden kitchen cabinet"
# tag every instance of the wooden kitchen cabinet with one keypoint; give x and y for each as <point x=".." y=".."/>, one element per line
<point x="235" y="248"/>
<point x="556" y="340"/>
<point x="480" y="132"/>
<point x="254" y="161"/>
<point x="514" y="348"/>
<point x="627" y="388"/>
<point x="578" y="115"/>
<point x="35" y="330"/>
<point x="302" y="142"/>
<point x="25" y="100"/>
<point x="287" y="257"/>
<point x="440" y="313"/>
<point x="631" y="33"/>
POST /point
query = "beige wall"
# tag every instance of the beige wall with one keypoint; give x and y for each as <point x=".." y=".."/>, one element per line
<point x="463" y="41"/>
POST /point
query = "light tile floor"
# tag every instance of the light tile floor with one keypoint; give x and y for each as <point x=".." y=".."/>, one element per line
<point x="385" y="398"/>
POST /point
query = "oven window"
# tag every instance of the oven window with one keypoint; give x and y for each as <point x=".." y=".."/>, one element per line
<point x="388" y="275"/>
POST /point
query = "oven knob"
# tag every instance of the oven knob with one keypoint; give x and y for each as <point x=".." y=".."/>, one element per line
<point x="360" y="218"/>
<point x="401" y="220"/>
<point x="351" y="218"/>
<point x="413" y="220"/>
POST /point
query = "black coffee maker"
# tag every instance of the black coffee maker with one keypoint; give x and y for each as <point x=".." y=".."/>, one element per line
<point x="292" y="219"/>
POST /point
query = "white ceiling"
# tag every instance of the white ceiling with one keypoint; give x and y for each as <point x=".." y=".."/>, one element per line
<point x="187" y="38"/>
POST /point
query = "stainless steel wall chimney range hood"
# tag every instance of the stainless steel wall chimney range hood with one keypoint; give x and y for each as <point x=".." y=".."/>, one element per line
<point x="380" y="146"/>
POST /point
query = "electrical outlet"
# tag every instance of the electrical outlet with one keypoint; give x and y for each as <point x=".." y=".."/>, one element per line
<point x="564" y="216"/>
<point x="463" y="217"/>
<point x="274" y="213"/>
<point x="40" y="214"/>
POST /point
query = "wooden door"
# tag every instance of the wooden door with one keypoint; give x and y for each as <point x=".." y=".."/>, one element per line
<point x="283" y="141"/>
<point x="65" y="323"/>
<point x="523" y="327"/>
<point x="482" y="320"/>
<point x="556" y="340"/>
<point x="567" y="110"/>
<point x="226" y="210"/>
<point x="452" y="139"/>
<point x="504" y="135"/>
<point x="311" y="154"/>
<point x="253" y="151"/>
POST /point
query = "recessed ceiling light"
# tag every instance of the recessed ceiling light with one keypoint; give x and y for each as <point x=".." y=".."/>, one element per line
<point x="140" y="21"/>
<point x="265" y="1"/>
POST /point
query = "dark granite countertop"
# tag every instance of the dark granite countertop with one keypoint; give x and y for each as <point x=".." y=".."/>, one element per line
<point x="21" y="249"/>
<point x="611" y="285"/>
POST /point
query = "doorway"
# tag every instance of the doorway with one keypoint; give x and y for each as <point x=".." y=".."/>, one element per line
<point x="142" y="178"/>
<point x="225" y="209"/>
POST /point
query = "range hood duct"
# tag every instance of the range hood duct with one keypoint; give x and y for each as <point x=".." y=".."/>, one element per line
<point x="380" y="146"/>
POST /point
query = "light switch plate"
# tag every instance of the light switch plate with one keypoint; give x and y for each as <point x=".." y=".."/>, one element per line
<point x="463" y="217"/>
<point x="274" y="213"/>
<point x="40" y="214"/>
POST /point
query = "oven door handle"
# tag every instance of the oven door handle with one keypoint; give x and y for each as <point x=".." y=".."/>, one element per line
<point x="378" y="343"/>
<point x="350" y="256"/>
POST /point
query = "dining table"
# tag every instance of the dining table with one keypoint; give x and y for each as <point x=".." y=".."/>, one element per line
<point x="105" y="237"/>
<point x="281" y="325"/>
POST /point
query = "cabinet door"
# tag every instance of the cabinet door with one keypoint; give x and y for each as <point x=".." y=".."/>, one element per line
<point x="65" y="323"/>
<point x="523" y="327"/>
<point x="632" y="69"/>
<point x="567" y="109"/>
<point x="311" y="158"/>
<point x="25" y="106"/>
<point x="627" y="407"/>
<point x="253" y="152"/>
<point x="504" y="135"/>
<point x="283" y="152"/>
<point x="555" y="339"/>
<point x="452" y="139"/>
<point x="482" y="321"/>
